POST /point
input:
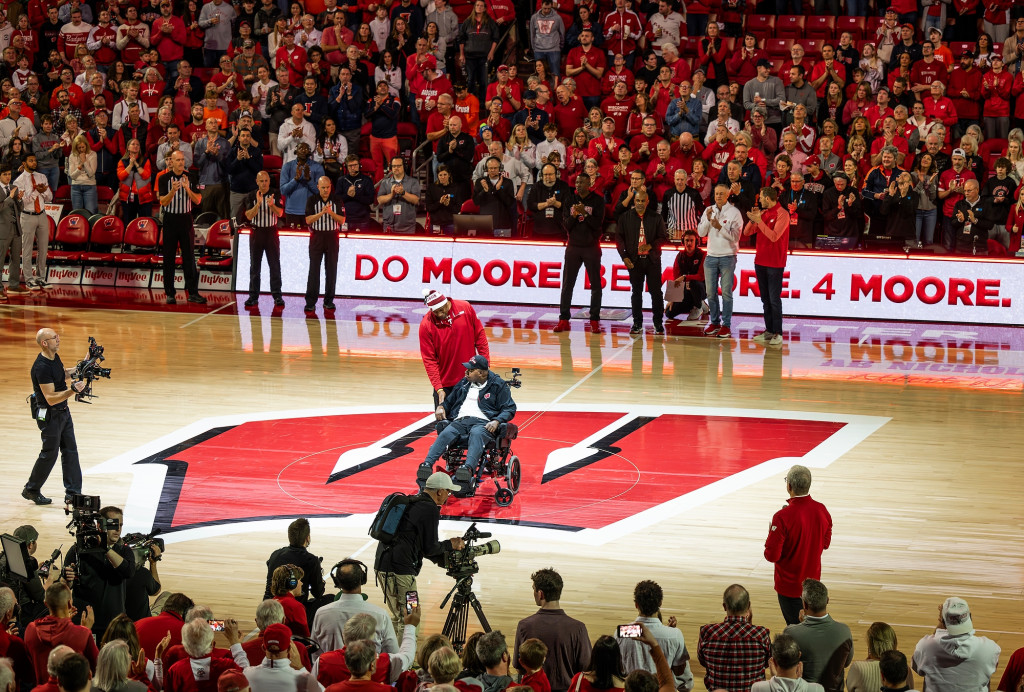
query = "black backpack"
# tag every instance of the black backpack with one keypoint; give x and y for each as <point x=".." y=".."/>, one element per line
<point x="393" y="509"/>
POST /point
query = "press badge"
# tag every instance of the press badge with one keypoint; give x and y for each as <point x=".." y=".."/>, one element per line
<point x="42" y="414"/>
<point x="397" y="209"/>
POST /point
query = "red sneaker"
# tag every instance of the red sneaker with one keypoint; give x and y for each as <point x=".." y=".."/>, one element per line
<point x="595" y="326"/>
<point x="711" y="329"/>
<point x="724" y="333"/>
<point x="562" y="326"/>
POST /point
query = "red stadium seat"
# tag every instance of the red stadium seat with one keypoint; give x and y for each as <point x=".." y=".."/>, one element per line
<point x="218" y="239"/>
<point x="761" y="25"/>
<point x="790" y="26"/>
<point x="369" y="167"/>
<point x="469" y="207"/>
<point x="958" y="47"/>
<point x="778" y="47"/>
<point x="142" y="234"/>
<point x="871" y="25"/>
<point x="107" y="231"/>
<point x="103" y="195"/>
<point x="821" y="26"/>
<point x="272" y="163"/>
<point x="855" y="25"/>
<point x="62" y="195"/>
<point x="73" y="229"/>
<point x="688" y="46"/>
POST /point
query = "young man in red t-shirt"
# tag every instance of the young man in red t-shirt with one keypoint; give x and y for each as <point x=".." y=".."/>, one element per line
<point x="771" y="224"/>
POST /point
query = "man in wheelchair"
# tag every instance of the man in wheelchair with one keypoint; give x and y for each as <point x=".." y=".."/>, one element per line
<point x="474" y="409"/>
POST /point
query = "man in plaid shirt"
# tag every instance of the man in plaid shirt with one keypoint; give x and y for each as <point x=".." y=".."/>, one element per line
<point x="734" y="652"/>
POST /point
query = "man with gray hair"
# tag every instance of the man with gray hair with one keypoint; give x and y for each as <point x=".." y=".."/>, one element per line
<point x="271" y="612"/>
<point x="954" y="657"/>
<point x="821" y="638"/>
<point x="800" y="532"/>
<point x="332" y="667"/>
<point x="280" y="670"/>
<point x="492" y="651"/>
<point x="197" y="639"/>
<point x="734" y="652"/>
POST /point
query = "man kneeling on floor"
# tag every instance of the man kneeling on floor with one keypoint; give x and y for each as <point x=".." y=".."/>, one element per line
<point x="478" y="404"/>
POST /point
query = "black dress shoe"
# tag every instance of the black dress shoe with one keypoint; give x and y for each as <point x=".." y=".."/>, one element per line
<point x="196" y="298"/>
<point x="171" y="300"/>
<point x="330" y="306"/>
<point x="279" y="302"/>
<point x="309" y="307"/>
<point x="251" y="302"/>
<point x="36" y="497"/>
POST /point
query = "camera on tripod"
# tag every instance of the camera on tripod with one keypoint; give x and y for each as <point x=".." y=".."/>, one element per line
<point x="514" y="381"/>
<point x="462" y="563"/>
<point x="142" y="544"/>
<point x="88" y="526"/>
<point x="89" y="370"/>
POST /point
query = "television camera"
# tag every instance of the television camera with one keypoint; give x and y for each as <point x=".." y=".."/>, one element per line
<point x="142" y="544"/>
<point x="461" y="565"/>
<point x="87" y="525"/>
<point x="89" y="370"/>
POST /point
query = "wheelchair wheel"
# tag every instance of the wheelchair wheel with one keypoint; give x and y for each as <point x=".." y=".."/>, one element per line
<point x="513" y="473"/>
<point x="503" y="497"/>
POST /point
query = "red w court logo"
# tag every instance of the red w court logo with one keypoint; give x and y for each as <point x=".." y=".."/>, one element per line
<point x="590" y="472"/>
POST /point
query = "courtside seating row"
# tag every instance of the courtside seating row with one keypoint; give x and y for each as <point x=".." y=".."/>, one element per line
<point x="104" y="240"/>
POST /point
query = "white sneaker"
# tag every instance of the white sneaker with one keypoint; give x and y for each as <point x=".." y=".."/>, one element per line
<point x="694" y="315"/>
<point x="704" y="310"/>
<point x="763" y="337"/>
<point x="776" y="340"/>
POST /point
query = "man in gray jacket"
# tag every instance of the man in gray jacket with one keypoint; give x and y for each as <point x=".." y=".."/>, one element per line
<point x="818" y="635"/>
<point x="765" y="90"/>
<point x="547" y="34"/>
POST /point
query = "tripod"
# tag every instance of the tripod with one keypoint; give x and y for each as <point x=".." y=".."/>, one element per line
<point x="458" y="615"/>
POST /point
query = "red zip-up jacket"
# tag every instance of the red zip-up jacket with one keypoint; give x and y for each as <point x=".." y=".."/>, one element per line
<point x="799" y="533"/>
<point x="445" y="347"/>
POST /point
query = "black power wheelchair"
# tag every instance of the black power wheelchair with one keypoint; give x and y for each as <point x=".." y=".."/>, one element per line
<point x="497" y="461"/>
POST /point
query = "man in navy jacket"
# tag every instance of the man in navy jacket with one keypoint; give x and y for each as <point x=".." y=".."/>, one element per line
<point x="477" y="405"/>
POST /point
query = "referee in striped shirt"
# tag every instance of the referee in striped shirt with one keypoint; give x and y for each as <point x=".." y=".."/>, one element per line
<point x="260" y="208"/>
<point x="177" y="199"/>
<point x="324" y="216"/>
<point x="681" y="207"/>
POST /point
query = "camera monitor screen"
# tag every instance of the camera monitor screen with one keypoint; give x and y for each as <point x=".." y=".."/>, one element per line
<point x="17" y="555"/>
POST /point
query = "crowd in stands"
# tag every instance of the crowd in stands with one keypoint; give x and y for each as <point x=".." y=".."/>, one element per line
<point x="353" y="648"/>
<point x="871" y="129"/>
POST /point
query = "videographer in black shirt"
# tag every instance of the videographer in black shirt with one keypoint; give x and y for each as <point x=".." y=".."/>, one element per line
<point x="145" y="583"/>
<point x="295" y="553"/>
<point x="101" y="579"/>
<point x="49" y="384"/>
<point x="398" y="564"/>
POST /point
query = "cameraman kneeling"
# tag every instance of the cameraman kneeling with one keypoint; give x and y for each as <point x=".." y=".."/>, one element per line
<point x="101" y="579"/>
<point x="477" y="405"/>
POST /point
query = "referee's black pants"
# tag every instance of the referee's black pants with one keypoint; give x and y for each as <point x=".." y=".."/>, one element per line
<point x="323" y="247"/>
<point x="589" y="257"/>
<point x="264" y="241"/>
<point x="180" y="233"/>
<point x="646" y="270"/>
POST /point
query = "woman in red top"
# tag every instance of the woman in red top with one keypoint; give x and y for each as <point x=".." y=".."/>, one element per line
<point x="902" y="70"/>
<point x="996" y="87"/>
<point x="368" y="48"/>
<point x="642" y="107"/>
<point x="605" y="671"/>
<point x="576" y="155"/>
<point x="285" y="585"/>
<point x="711" y="56"/>
<point x="742" y="63"/>
<point x="771" y="224"/>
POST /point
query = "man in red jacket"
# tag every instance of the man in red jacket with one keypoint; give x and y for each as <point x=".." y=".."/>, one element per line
<point x="55" y="629"/>
<point x="800" y="532"/>
<point x="152" y="629"/>
<point x="450" y="334"/>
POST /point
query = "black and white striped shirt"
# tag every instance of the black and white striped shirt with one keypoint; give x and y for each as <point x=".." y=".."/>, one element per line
<point x="265" y="217"/>
<point x="681" y="210"/>
<point x="315" y="204"/>
<point x="180" y="203"/>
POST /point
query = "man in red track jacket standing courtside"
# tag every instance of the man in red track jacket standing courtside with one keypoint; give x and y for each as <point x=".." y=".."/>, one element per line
<point x="800" y="532"/>
<point x="450" y="334"/>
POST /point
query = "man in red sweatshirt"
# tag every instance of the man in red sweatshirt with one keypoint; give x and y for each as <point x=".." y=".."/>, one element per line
<point x="450" y="334"/>
<point x="55" y="629"/>
<point x="800" y="532"/>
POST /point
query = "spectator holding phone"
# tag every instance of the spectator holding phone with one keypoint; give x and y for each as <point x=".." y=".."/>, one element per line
<point x="647" y="597"/>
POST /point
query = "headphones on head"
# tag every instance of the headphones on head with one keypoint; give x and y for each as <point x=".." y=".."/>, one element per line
<point x="336" y="577"/>
<point x="293" y="578"/>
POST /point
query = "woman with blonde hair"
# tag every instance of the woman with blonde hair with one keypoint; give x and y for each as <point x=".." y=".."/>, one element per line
<point x="81" y="171"/>
<point x="115" y="669"/>
<point x="864" y="676"/>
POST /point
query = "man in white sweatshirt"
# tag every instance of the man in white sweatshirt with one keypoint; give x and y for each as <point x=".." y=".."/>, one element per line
<point x="721" y="224"/>
<point x="954" y="658"/>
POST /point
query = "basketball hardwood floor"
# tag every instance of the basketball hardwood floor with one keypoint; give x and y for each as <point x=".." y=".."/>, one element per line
<point x="925" y="495"/>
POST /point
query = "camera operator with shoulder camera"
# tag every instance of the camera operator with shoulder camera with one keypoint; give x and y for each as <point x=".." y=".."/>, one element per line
<point x="31" y="593"/>
<point x="145" y="583"/>
<point x="99" y="576"/>
<point x="296" y="553"/>
<point x="49" y="385"/>
<point x="399" y="562"/>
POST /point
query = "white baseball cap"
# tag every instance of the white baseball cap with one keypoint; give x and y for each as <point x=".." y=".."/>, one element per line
<point x="439" y="480"/>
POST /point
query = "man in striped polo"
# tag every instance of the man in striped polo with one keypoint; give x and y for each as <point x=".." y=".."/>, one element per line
<point x="324" y="216"/>
<point x="261" y="210"/>
<point x="177" y="200"/>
